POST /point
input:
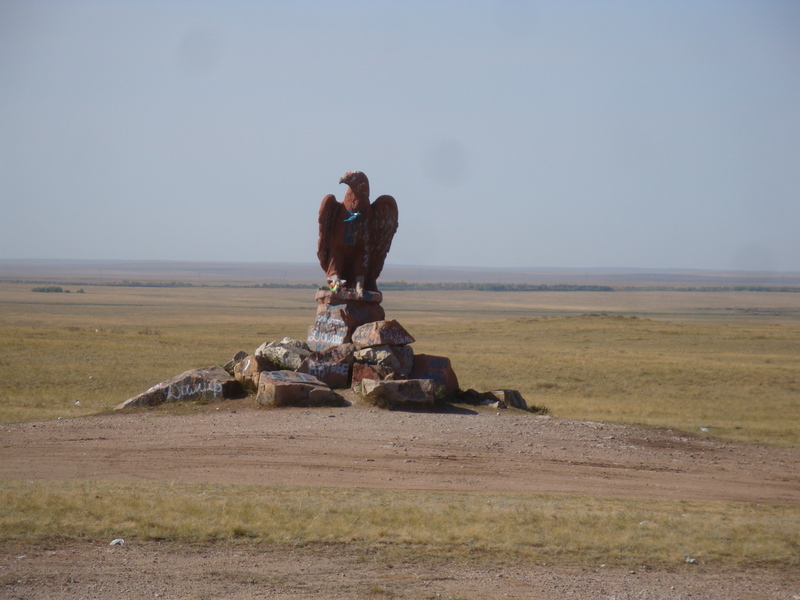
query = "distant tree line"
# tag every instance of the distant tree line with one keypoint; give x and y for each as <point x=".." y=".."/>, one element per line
<point x="276" y="285"/>
<point x="156" y="284"/>
<point x="53" y="289"/>
<point x="493" y="287"/>
<point x="713" y="288"/>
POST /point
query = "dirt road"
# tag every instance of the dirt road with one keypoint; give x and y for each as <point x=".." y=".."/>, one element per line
<point x="361" y="447"/>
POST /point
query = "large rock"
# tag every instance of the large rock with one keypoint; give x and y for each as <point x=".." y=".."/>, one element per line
<point x="399" y="394"/>
<point x="436" y="368"/>
<point x="208" y="383"/>
<point x="248" y="370"/>
<point x="332" y="366"/>
<point x="380" y="333"/>
<point x="399" y="359"/>
<point x="288" y="353"/>
<point x="287" y="388"/>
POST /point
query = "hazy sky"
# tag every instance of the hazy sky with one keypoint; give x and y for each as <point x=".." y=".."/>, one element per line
<point x="512" y="134"/>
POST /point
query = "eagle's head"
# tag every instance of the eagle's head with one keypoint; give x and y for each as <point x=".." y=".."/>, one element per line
<point x="357" y="182"/>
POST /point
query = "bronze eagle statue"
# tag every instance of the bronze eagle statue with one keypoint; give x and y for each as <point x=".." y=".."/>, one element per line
<point x="355" y="236"/>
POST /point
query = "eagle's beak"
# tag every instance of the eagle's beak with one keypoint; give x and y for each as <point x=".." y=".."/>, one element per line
<point x="341" y="180"/>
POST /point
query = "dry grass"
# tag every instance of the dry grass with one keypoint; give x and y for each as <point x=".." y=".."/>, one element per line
<point x="109" y="344"/>
<point x="739" y="380"/>
<point x="421" y="525"/>
<point x="729" y="362"/>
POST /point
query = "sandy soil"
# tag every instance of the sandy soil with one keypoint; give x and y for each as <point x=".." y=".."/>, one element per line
<point x="460" y="450"/>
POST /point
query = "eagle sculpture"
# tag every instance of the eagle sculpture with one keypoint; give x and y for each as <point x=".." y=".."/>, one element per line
<point x="355" y="236"/>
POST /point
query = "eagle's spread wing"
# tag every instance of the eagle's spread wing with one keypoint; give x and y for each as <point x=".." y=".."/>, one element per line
<point x="328" y="213"/>
<point x="382" y="226"/>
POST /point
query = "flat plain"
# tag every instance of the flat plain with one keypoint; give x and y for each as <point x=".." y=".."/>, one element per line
<point x="673" y="436"/>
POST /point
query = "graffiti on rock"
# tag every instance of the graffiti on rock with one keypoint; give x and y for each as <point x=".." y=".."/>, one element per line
<point x="322" y="370"/>
<point x="329" y="328"/>
<point x="281" y="376"/>
<point x="187" y="390"/>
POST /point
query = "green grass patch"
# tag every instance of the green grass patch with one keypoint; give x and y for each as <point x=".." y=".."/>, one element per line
<point x="412" y="525"/>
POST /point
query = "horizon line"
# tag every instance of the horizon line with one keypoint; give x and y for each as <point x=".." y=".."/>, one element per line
<point x="531" y="269"/>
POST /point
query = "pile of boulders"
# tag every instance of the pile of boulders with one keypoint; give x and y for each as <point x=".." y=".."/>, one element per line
<point x="377" y="361"/>
<point x="376" y="358"/>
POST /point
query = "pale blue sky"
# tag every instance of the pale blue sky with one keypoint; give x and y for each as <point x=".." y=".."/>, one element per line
<point x="512" y="134"/>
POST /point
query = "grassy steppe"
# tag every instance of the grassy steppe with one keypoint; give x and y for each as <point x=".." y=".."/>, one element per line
<point x="726" y="361"/>
<point x="729" y="362"/>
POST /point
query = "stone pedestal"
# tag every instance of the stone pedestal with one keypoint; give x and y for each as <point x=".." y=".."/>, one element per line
<point x="340" y="313"/>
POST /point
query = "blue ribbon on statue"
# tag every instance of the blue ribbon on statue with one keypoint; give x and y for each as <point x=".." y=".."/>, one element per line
<point x="352" y="216"/>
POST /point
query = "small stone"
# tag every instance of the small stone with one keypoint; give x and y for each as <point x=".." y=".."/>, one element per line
<point x="504" y="397"/>
<point x="510" y="398"/>
<point x="495" y="404"/>
<point x="231" y="364"/>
